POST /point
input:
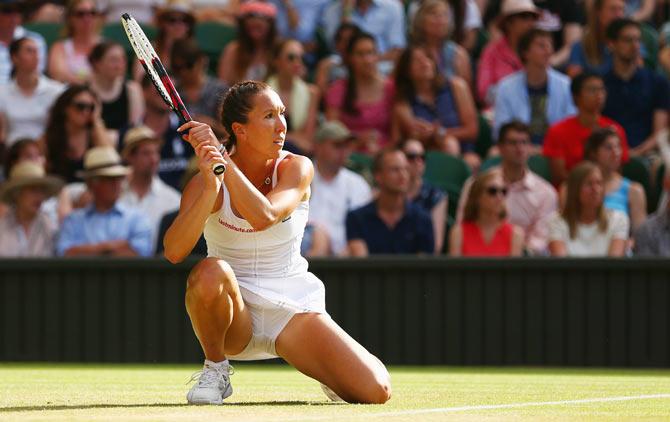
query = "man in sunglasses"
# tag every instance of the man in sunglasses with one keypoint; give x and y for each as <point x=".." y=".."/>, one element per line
<point x="530" y="200"/>
<point x="10" y="30"/>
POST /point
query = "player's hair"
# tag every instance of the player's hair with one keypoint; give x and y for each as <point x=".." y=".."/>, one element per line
<point x="573" y="206"/>
<point x="236" y="105"/>
<point x="596" y="140"/>
<point x="471" y="209"/>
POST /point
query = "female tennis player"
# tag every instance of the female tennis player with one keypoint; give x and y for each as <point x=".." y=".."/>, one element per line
<point x="252" y="297"/>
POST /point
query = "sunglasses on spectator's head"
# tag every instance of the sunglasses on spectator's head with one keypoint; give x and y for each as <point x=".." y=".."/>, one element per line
<point x="84" y="106"/>
<point x="413" y="156"/>
<point x="495" y="190"/>
<point x="85" y="13"/>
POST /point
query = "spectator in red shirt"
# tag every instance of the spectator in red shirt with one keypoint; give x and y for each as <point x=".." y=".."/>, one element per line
<point x="564" y="142"/>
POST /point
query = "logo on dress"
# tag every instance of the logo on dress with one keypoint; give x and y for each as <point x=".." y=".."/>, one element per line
<point x="235" y="228"/>
<point x="286" y="219"/>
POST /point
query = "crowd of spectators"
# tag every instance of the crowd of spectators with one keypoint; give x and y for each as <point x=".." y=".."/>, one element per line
<point x="92" y="163"/>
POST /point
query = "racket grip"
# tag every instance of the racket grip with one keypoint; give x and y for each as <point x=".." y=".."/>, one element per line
<point x="218" y="168"/>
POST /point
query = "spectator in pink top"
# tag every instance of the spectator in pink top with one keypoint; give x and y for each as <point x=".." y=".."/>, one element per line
<point x="499" y="57"/>
<point x="530" y="199"/>
<point x="364" y="100"/>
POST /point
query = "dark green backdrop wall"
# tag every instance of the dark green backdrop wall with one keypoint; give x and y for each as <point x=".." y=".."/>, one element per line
<point x="405" y="310"/>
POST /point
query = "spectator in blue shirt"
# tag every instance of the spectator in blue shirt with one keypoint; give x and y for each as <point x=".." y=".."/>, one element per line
<point x="384" y="19"/>
<point x="10" y="30"/>
<point x="537" y="95"/>
<point x="637" y="98"/>
<point x="105" y="227"/>
<point x="390" y="224"/>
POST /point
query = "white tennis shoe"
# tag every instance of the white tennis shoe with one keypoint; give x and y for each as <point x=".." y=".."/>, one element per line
<point x="212" y="384"/>
<point x="330" y="393"/>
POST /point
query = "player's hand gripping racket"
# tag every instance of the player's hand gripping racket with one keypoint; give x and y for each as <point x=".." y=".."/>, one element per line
<point x="156" y="71"/>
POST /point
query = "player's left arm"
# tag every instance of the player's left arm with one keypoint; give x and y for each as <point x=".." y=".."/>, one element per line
<point x="294" y="176"/>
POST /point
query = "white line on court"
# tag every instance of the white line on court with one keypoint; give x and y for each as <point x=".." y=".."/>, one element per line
<point x="490" y="407"/>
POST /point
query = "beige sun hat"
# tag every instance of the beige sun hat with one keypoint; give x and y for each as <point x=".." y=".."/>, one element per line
<point x="516" y="7"/>
<point x="102" y="162"/>
<point x="176" y="6"/>
<point x="28" y="173"/>
<point x="137" y="135"/>
<point x="333" y="130"/>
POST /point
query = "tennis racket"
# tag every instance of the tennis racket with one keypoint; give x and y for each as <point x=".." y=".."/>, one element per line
<point x="157" y="73"/>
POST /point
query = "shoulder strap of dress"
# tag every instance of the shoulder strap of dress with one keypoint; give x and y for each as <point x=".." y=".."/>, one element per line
<point x="282" y="155"/>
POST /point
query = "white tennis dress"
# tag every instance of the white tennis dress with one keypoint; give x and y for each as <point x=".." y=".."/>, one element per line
<point x="273" y="277"/>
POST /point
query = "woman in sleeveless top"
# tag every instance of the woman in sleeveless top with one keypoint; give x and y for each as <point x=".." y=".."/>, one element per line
<point x="68" y="58"/>
<point x="122" y="100"/>
<point x="603" y="147"/>
<point x="439" y="112"/>
<point x="485" y="230"/>
<point x="253" y="297"/>
<point x="287" y="71"/>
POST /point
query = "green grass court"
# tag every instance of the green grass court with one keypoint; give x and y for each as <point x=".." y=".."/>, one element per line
<point x="59" y="392"/>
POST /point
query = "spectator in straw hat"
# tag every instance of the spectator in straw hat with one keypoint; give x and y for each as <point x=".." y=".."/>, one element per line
<point x="499" y="57"/>
<point x="26" y="229"/>
<point x="143" y="189"/>
<point x="105" y="227"/>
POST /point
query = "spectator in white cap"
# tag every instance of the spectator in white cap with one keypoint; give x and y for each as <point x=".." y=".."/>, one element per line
<point x="336" y="190"/>
<point x="144" y="190"/>
<point x="106" y="227"/>
<point x="26" y="229"/>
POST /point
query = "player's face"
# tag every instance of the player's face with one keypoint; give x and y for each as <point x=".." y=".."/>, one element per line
<point x="265" y="129"/>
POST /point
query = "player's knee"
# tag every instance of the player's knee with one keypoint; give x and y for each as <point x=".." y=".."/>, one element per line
<point x="209" y="279"/>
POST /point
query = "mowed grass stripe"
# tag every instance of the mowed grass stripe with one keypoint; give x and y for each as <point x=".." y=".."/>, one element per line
<point x="277" y="392"/>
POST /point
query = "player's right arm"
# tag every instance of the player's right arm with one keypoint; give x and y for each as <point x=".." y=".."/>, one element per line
<point x="201" y="197"/>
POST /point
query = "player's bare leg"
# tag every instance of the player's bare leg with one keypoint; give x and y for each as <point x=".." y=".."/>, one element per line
<point x="319" y="348"/>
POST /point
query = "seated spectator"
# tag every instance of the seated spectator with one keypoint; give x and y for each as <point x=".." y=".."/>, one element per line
<point x="144" y="190"/>
<point x="564" y="142"/>
<point x="74" y="125"/>
<point x="530" y="200"/>
<point x="640" y="10"/>
<point x="438" y="111"/>
<point x="432" y="199"/>
<point x="26" y="98"/>
<point x="564" y="19"/>
<point x="175" y="153"/>
<point x="390" y="224"/>
<point x="174" y="21"/>
<point x="287" y="73"/>
<point x="431" y="28"/>
<point x="591" y="53"/>
<point x="248" y="56"/>
<point x="26" y="229"/>
<point x="499" y="58"/>
<point x="384" y="20"/>
<point x="299" y="20"/>
<point x="603" y="148"/>
<point x="652" y="238"/>
<point x="484" y="229"/>
<point x="637" y="98"/>
<point x="336" y="190"/>
<point x="465" y="19"/>
<point x="121" y="99"/>
<point x="201" y="93"/>
<point x="68" y="58"/>
<point x="363" y="100"/>
<point x="538" y="95"/>
<point x="315" y="242"/>
<point x="105" y="228"/>
<point x="11" y="30"/>
<point x="584" y="227"/>
<point x="333" y="67"/>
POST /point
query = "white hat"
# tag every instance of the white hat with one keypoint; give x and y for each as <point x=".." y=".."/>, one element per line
<point x="135" y="137"/>
<point x="516" y="7"/>
<point x="102" y="162"/>
<point x="28" y="173"/>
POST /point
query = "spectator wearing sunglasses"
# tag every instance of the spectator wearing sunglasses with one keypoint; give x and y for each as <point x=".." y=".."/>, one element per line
<point x="485" y="230"/>
<point x="432" y="199"/>
<point x="68" y="58"/>
<point x="287" y="73"/>
<point x="585" y="227"/>
<point x="175" y="21"/>
<point x="201" y="93"/>
<point x="26" y="99"/>
<point x="10" y="30"/>
<point x="74" y="126"/>
<point x="530" y="200"/>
